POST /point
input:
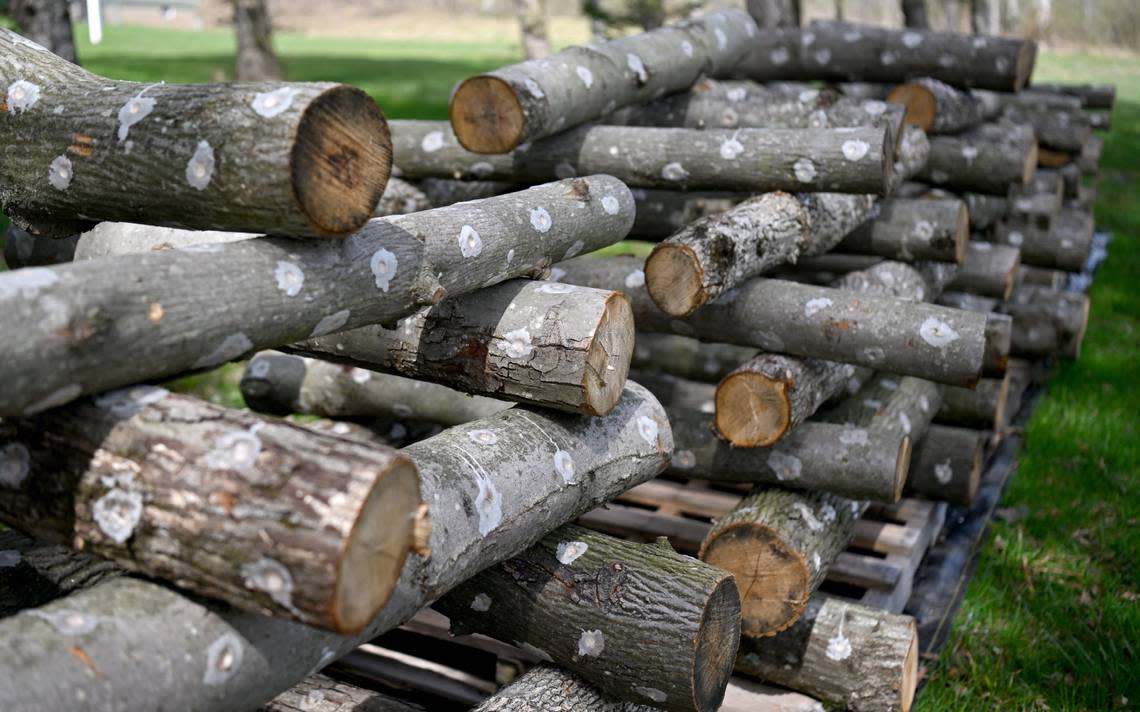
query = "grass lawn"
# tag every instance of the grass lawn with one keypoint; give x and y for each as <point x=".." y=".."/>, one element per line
<point x="1052" y="618"/>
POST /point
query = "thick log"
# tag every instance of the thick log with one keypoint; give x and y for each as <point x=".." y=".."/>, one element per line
<point x="324" y="694"/>
<point x="977" y="161"/>
<point x="1089" y="158"/>
<point x="947" y="465"/>
<point x="660" y="213"/>
<point x="484" y="511"/>
<point x="687" y="358"/>
<point x="715" y="254"/>
<point x="848" y="52"/>
<point x="1057" y="129"/>
<point x="913" y="229"/>
<point x="936" y="107"/>
<point x="1065" y="245"/>
<point x="295" y="159"/>
<point x="283" y="384"/>
<point x="860" y="658"/>
<point x="985" y="210"/>
<point x="497" y="111"/>
<point x="267" y="516"/>
<point x="102" y="324"/>
<point x="34" y="572"/>
<point x="546" y="343"/>
<point x="880" y="332"/>
<point x="1048" y="321"/>
<point x="1029" y="206"/>
<point x="595" y="604"/>
<point x="989" y="270"/>
<point x="1092" y="96"/>
<point x="982" y="406"/>
<point x="23" y="249"/>
<point x="855" y="160"/>
<point x="836" y="264"/>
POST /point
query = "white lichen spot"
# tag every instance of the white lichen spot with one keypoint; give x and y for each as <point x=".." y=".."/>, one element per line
<point x="67" y="621"/>
<point x="572" y="250"/>
<point x="585" y="75"/>
<point x="126" y="402"/>
<point x="1002" y="65"/>
<point x="816" y="561"/>
<point x="721" y="39"/>
<point x="22" y="95"/>
<point x="674" y="171"/>
<point x="135" y="110"/>
<point x="482" y="169"/>
<point x="270" y="576"/>
<point x="889" y="384"/>
<point x="15" y="463"/>
<point x="259" y="368"/>
<point x="874" y="107"/>
<point x="569" y="551"/>
<point x="332" y="322"/>
<point x="610" y="205"/>
<point x="533" y="88"/>
<point x="785" y="465"/>
<point x="483" y="437"/>
<point x="223" y="658"/>
<point x="779" y="56"/>
<point x="888" y="58"/>
<point x="60" y="172"/>
<point x="516" y="343"/>
<point x="736" y="94"/>
<point x="946" y="60"/>
<point x="853" y="436"/>
<point x="481" y="603"/>
<point x="1066" y="243"/>
<point x="564" y="465"/>
<point x="684" y="459"/>
<point x="274" y="103"/>
<point x="936" y="332"/>
<point x="827" y="513"/>
<point x="969" y="153"/>
<point x="808" y="516"/>
<point x="635" y="279"/>
<point x="852" y="36"/>
<point x="855" y="149"/>
<point x="432" y="141"/>
<point x="979" y="42"/>
<point x="290" y="278"/>
<point x="510" y="255"/>
<point x="924" y="404"/>
<point x="540" y="219"/>
<point x="911" y="39"/>
<point x="839" y="647"/>
<point x="872" y="403"/>
<point x="591" y="642"/>
<point x="923" y="230"/>
<point x="815" y="305"/>
<point x="236" y="450"/>
<point x="943" y="471"/>
<point x="904" y="423"/>
<point x="808" y="39"/>
<point x="1015" y="238"/>
<point x="637" y="67"/>
<point x="489" y="505"/>
<point x="804" y="170"/>
<point x="687" y="48"/>
<point x="730" y="149"/>
<point x="383" y="266"/>
<point x="647" y="427"/>
<point x="231" y="347"/>
<point x="651" y="692"/>
<point x="556" y="288"/>
<point x="360" y="375"/>
<point x="10" y="558"/>
<point x="707" y="407"/>
<point x="565" y="170"/>
<point x="200" y="167"/>
<point x="822" y="56"/>
<point x="117" y="513"/>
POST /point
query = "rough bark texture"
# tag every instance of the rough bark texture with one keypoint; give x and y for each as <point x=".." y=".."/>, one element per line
<point x="102" y="324"/>
<point x="861" y="658"/>
<point x="1041" y="277"/>
<point x="913" y="229"/>
<point x="256" y="60"/>
<point x="947" y="465"/>
<point x="1065" y="245"/>
<point x="901" y="406"/>
<point x="999" y="341"/>
<point x="839" y="160"/>
<point x="34" y="572"/>
<point x="936" y="107"/>
<point x="989" y="270"/>
<point x="911" y="154"/>
<point x="269" y="517"/>
<point x="1032" y="206"/>
<point x="486" y="508"/>
<point x="660" y="213"/>
<point x="981" y="162"/>
<point x="546" y="343"/>
<point x="532" y="26"/>
<point x="850" y="52"/>
<point x="23" y="249"/>
<point x="982" y="406"/>
<point x="46" y="22"/>
<point x="294" y="159"/>
<point x="880" y="332"/>
<point x="324" y="694"/>
<point x="1048" y="321"/>
<point x="596" y="604"/>
<point x="546" y="688"/>
<point x="108" y="239"/>
<point x="1092" y="96"/>
<point x="678" y="395"/>
<point x="283" y="384"/>
<point x="688" y="358"/>
<point x="497" y="111"/>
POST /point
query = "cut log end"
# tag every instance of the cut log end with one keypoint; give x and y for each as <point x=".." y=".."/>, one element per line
<point x="902" y="466"/>
<point x="674" y="278"/>
<point x="1032" y="158"/>
<point x="909" y="683"/>
<point x="752" y="410"/>
<point x="1026" y="57"/>
<point x="607" y="360"/>
<point x="375" y="550"/>
<point x="341" y="160"/>
<point x="921" y="106"/>
<point x="486" y="115"/>
<point x="718" y="640"/>
<point x="962" y="233"/>
<point x="773" y="578"/>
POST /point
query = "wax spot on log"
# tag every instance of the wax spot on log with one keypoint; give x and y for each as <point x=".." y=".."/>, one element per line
<point x="55" y="399"/>
<point x="489" y="505"/>
<point x="332" y="322"/>
<point x="939" y="176"/>
<point x="516" y="343"/>
<point x="651" y="692"/>
<point x="569" y="551"/>
<point x="483" y="437"/>
<point x="785" y="466"/>
<point x="135" y="110"/>
<point x="911" y="39"/>
<point x="585" y="75"/>
<point x="432" y="141"/>
<point x="635" y="279"/>
<point x="874" y="107"/>
<point x="804" y="170"/>
<point x="259" y="368"/>
<point x="26" y="282"/>
<point x="573" y="249"/>
<point x="827" y="513"/>
<point x="779" y="56"/>
<point x="924" y="404"/>
<point x="482" y="169"/>
<point x="979" y="42"/>
<point x="943" y="472"/>
<point x="610" y="204"/>
<point x="117" y="513"/>
<point x="231" y="347"/>
<point x="647" y="427"/>
<point x="565" y="170"/>
<point x="736" y="94"/>
<point x="888" y="58"/>
<point x="637" y="67"/>
<point x="540" y="220"/>
<point x="684" y="459"/>
<point x="1015" y="238"/>
<point x="808" y="38"/>
<point x="1002" y="65"/>
<point x="969" y="153"/>
<point x="730" y="149"/>
<point x="556" y="288"/>
<point x="687" y="48"/>
<point x="890" y="384"/>
<point x="67" y="621"/>
<point x="947" y="60"/>
<point x="126" y="402"/>
<point x="721" y="39"/>
<point x="855" y="149"/>
<point x="852" y="36"/>
<point x="533" y="87"/>
<point x="60" y="172"/>
<point x="1022" y="204"/>
<point x="15" y="463"/>
<point x="557" y="273"/>
<point x="674" y="171"/>
<point x="707" y="407"/>
<point x="22" y="95"/>
<point x="383" y="265"/>
<point x="274" y="103"/>
<point x="290" y="278"/>
<point x="564" y="466"/>
<point x="822" y="56"/>
<point x="839" y="647"/>
<point x="808" y="96"/>
<point x="272" y="577"/>
<point x="816" y="561"/>
<point x="200" y="167"/>
<point x="853" y="436"/>
<point x="236" y="450"/>
<point x="924" y="230"/>
<point x="1066" y="243"/>
<point x="936" y="332"/>
<point x="815" y="305"/>
<point x="591" y="642"/>
<point x="481" y="603"/>
<point x="223" y="658"/>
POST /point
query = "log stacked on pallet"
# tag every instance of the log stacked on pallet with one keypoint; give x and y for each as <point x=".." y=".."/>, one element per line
<point x="824" y="326"/>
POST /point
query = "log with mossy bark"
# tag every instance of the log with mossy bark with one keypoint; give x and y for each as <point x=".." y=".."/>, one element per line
<point x="715" y="254"/>
<point x="854" y="656"/>
<point x="319" y="693"/>
<point x="686" y="357"/>
<point x="936" y="107"/>
<point x="983" y="406"/>
<point x="595" y="604"/>
<point x="519" y="103"/>
<point x="267" y="516"/>
<point x="1048" y="321"/>
<point x="947" y="465"/>
<point x="1065" y="245"/>
<point x="852" y="160"/>
<point x="989" y="270"/>
<point x="880" y="332"/>
<point x="295" y="159"/>
<point x="843" y="51"/>
<point x="102" y="324"/>
<point x="487" y="507"/>
<point x="982" y="161"/>
<point x="913" y="229"/>
<point x="547" y="343"/>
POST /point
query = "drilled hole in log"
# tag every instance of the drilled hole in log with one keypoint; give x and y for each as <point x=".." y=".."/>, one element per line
<point x="752" y="410"/>
<point x="607" y="361"/>
<point x="920" y="104"/>
<point x="718" y="641"/>
<point x="673" y="277"/>
<point x="486" y="116"/>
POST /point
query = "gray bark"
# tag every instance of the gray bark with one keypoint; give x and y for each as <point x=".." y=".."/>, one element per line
<point x="986" y="210"/>
<point x="849" y="52"/>
<point x="269" y="517"/>
<point x="256" y="60"/>
<point x="913" y="229"/>
<point x="103" y="324"/>
<point x="486" y="508"/>
<point x="911" y="155"/>
<point x="47" y="23"/>
<point x="546" y="688"/>
<point x="596" y="604"/>
<point x="546" y="343"/>
<point x="283" y="384"/>
<point x="108" y="239"/>
<point x="1030" y="206"/>
<point x="947" y="465"/>
<point x="401" y="197"/>
<point x="1060" y="316"/>
<point x="1092" y="96"/>
<point x="981" y="162"/>
<point x="532" y="26"/>
<point x="35" y="572"/>
<point x="982" y="406"/>
<point x="1065" y="245"/>
<point x="660" y="213"/>
<point x="989" y="270"/>
<point x="497" y="111"/>
<point x="295" y="159"/>
<point x="936" y="107"/>
<point x="23" y="249"/>
<point x="914" y="14"/>
<point x="1089" y="159"/>
<point x="688" y="358"/>
<point x="1056" y="128"/>
<point x="754" y="160"/>
<point x="1042" y="277"/>
<point x="324" y="694"/>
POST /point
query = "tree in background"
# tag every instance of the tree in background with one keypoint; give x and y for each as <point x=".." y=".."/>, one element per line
<point x="256" y="60"/>
<point x="985" y="19"/>
<point x="775" y="13"/>
<point x="914" y="14"/>
<point x="47" y="22"/>
<point x="532" y="22"/>
<point x="607" y="17"/>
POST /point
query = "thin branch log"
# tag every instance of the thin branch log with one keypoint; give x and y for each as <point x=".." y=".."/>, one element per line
<point x="989" y="270"/>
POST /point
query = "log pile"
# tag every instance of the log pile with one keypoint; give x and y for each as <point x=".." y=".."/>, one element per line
<point x="823" y="327"/>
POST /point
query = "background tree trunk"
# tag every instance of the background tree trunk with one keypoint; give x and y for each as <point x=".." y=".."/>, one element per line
<point x="986" y="17"/>
<point x="532" y="23"/>
<point x="256" y="60"/>
<point x="46" y="22"/>
<point x="914" y="14"/>
<point x="775" y="13"/>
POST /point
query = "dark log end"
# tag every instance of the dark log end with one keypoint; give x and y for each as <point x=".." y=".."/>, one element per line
<point x="773" y="578"/>
<point x="374" y="552"/>
<point x="921" y="107"/>
<point x="675" y="279"/>
<point x="272" y="383"/>
<point x="487" y="116"/>
<point x="341" y="160"/>
<point x="719" y="638"/>
<point x="752" y="409"/>
<point x="902" y="467"/>
<point x="961" y="233"/>
<point x="607" y="360"/>
<point x="1026" y="58"/>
